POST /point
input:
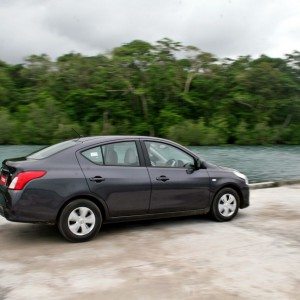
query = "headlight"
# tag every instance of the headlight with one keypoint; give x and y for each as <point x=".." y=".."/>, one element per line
<point x="238" y="174"/>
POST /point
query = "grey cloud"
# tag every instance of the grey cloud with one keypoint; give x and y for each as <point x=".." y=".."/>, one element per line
<point x="226" y="28"/>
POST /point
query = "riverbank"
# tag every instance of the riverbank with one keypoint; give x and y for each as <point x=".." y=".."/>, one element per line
<point x="257" y="255"/>
<point x="270" y="184"/>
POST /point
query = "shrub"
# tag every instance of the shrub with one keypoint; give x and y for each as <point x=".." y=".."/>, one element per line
<point x="196" y="133"/>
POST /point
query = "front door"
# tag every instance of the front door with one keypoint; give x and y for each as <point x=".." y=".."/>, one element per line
<point x="174" y="188"/>
<point x="114" y="173"/>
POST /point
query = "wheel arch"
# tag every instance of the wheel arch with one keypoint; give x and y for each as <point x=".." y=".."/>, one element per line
<point x="101" y="206"/>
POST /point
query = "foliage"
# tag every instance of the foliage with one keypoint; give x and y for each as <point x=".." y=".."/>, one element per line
<point x="164" y="89"/>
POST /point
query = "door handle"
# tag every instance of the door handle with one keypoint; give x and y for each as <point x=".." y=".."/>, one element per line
<point x="97" y="179"/>
<point x="162" y="178"/>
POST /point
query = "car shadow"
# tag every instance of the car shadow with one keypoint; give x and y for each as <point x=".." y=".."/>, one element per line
<point x="114" y="228"/>
<point x="41" y="233"/>
<point x="22" y="233"/>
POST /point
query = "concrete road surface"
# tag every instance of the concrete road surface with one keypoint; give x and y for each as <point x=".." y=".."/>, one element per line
<point x="256" y="256"/>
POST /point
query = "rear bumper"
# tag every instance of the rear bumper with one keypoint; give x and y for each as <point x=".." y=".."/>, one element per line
<point x="9" y="215"/>
<point x="4" y="212"/>
<point x="17" y="217"/>
<point x="11" y="208"/>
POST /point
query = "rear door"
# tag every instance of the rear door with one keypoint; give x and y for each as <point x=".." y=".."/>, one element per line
<point x="174" y="188"/>
<point x="116" y="173"/>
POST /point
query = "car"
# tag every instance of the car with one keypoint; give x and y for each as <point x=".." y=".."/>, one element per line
<point x="80" y="184"/>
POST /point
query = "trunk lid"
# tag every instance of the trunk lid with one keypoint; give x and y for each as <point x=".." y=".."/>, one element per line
<point x="11" y="167"/>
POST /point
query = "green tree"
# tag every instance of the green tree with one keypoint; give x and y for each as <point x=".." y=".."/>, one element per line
<point x="164" y="88"/>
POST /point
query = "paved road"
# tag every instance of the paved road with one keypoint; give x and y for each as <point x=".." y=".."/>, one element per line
<point x="256" y="256"/>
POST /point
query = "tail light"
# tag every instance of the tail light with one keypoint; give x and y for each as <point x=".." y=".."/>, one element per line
<point x="3" y="179"/>
<point x="23" y="178"/>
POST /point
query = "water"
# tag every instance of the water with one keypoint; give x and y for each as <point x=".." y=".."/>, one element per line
<point x="259" y="163"/>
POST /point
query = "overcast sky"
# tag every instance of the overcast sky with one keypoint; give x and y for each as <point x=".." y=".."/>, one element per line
<point x="227" y="28"/>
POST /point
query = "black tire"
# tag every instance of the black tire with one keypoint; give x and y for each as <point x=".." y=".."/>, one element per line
<point x="75" y="207"/>
<point x="215" y="212"/>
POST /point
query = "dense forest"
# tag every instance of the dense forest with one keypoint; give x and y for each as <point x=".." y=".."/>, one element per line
<point x="164" y="89"/>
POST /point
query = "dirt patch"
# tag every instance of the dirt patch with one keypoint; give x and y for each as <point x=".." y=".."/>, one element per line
<point x="279" y="211"/>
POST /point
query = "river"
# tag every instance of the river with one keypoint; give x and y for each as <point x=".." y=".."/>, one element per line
<point x="259" y="163"/>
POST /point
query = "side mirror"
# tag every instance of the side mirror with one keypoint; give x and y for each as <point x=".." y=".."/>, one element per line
<point x="198" y="163"/>
<point x="196" y="166"/>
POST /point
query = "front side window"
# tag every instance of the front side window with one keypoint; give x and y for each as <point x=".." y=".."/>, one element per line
<point x="164" y="155"/>
<point x="115" y="154"/>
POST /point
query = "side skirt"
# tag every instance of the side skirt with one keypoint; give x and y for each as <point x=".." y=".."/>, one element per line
<point x="157" y="215"/>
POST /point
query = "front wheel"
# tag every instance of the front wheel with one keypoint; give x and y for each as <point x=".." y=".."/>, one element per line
<point x="225" y="205"/>
<point x="80" y="221"/>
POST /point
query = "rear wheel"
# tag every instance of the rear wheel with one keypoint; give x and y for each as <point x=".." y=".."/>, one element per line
<point x="80" y="221"/>
<point x="225" y="205"/>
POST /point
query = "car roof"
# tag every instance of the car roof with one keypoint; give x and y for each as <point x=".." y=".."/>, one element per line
<point x="104" y="138"/>
<point x="92" y="140"/>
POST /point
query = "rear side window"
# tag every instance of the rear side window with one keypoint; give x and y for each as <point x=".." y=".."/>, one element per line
<point x="51" y="150"/>
<point x="114" y="154"/>
<point x="94" y="155"/>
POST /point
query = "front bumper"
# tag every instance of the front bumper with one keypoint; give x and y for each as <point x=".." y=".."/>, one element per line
<point x="246" y="197"/>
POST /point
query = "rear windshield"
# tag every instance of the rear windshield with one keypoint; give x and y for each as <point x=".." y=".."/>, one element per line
<point x="51" y="150"/>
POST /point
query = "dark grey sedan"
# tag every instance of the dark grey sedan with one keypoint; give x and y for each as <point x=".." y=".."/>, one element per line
<point x="80" y="184"/>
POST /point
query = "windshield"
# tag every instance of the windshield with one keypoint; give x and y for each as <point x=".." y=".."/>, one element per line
<point x="46" y="152"/>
